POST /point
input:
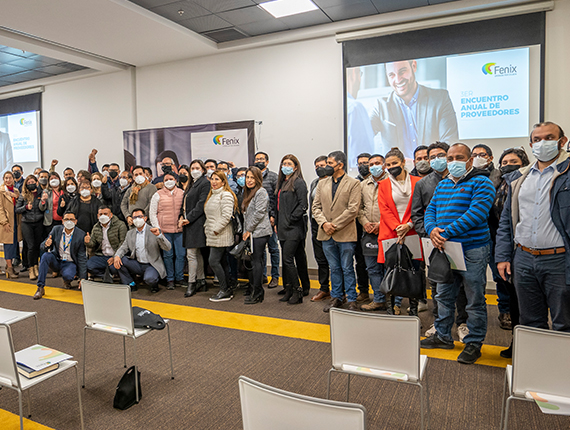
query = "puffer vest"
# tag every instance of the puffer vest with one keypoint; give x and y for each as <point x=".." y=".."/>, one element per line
<point x="168" y="211"/>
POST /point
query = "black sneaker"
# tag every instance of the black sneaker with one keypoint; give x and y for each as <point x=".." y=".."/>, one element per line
<point x="170" y="285"/>
<point x="470" y="354"/>
<point x="434" y="341"/>
<point x="222" y="296"/>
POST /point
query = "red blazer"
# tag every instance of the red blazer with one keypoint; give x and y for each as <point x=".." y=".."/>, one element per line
<point x="389" y="217"/>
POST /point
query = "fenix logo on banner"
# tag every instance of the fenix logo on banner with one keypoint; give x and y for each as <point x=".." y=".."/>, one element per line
<point x="499" y="71"/>
<point x="220" y="139"/>
<point x="230" y="145"/>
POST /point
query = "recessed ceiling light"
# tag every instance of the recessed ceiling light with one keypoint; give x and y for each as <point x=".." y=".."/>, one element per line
<point x="280" y="8"/>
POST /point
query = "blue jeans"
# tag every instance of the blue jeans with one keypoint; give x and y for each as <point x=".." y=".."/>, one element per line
<point x="97" y="264"/>
<point x="474" y="280"/>
<point x="68" y="269"/>
<point x="174" y="257"/>
<point x="375" y="275"/>
<point x="340" y="256"/>
<point x="273" y="248"/>
<point x="540" y="283"/>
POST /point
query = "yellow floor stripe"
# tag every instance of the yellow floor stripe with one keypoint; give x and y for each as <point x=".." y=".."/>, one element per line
<point x="238" y="321"/>
<point x="10" y="421"/>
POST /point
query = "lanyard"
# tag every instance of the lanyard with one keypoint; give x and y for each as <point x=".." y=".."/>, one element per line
<point x="66" y="244"/>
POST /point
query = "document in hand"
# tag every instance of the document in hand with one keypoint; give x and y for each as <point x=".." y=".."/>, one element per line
<point x="453" y="250"/>
<point x="412" y="242"/>
<point x="38" y="357"/>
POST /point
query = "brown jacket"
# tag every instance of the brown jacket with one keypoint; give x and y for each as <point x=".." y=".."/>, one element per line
<point x="341" y="211"/>
<point x="369" y="209"/>
<point x="7" y="217"/>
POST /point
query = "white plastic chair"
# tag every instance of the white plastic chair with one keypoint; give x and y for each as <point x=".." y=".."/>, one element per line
<point x="540" y="364"/>
<point x="10" y="378"/>
<point x="392" y="353"/>
<point x="265" y="407"/>
<point x="9" y="316"/>
<point x="108" y="309"/>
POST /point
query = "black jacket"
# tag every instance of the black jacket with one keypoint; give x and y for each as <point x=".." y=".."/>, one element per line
<point x="33" y="215"/>
<point x="77" y="251"/>
<point x="291" y="220"/>
<point x="94" y="205"/>
<point x="270" y="184"/>
<point x="114" y="197"/>
<point x="66" y="197"/>
<point x="193" y="235"/>
<point x="423" y="192"/>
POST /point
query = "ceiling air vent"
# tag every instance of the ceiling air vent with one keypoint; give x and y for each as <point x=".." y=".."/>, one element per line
<point x="225" y="35"/>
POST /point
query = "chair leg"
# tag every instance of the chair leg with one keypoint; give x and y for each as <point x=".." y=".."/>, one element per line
<point x="21" y="410"/>
<point x="428" y="410"/>
<point x="29" y="404"/>
<point x="37" y="329"/>
<point x="348" y="387"/>
<point x="84" y="354"/>
<point x="79" y="397"/>
<point x="124" y="354"/>
<point x="170" y="348"/>
<point x="503" y="401"/>
<point x="422" y="406"/>
<point x="329" y="384"/>
<point x="136" y="371"/>
<point x="507" y="412"/>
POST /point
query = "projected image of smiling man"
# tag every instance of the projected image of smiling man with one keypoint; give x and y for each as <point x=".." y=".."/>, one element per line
<point x="413" y="114"/>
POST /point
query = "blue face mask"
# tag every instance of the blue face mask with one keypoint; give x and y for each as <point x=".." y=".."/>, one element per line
<point x="241" y="181"/>
<point x="438" y="164"/>
<point x="457" y="168"/>
<point x="287" y="170"/>
<point x="376" y="170"/>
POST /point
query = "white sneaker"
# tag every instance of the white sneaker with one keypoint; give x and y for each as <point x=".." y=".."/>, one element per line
<point x="462" y="331"/>
<point x="430" y="331"/>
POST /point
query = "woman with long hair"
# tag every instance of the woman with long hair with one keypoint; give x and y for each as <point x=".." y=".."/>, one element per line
<point x="257" y="228"/>
<point x="220" y="205"/>
<point x="29" y="205"/>
<point x="192" y="219"/>
<point x="70" y="191"/>
<point x="85" y="206"/>
<point x="291" y="225"/>
<point x="184" y="178"/>
<point x="395" y="201"/>
<point x="97" y="183"/>
<point x="54" y="193"/>
<point x="8" y="225"/>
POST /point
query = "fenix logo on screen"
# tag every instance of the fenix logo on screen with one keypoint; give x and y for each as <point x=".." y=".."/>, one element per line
<point x="25" y="122"/>
<point x="499" y="71"/>
<point x="223" y="141"/>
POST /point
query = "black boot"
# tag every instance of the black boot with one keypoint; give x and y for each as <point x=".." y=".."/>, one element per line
<point x="413" y="307"/>
<point x="256" y="296"/>
<point x="288" y="293"/>
<point x="201" y="285"/>
<point x="191" y="290"/>
<point x="297" y="296"/>
<point x="390" y="305"/>
<point x="306" y="290"/>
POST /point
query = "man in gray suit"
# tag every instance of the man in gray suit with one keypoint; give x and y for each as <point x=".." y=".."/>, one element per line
<point x="143" y="244"/>
<point x="413" y="114"/>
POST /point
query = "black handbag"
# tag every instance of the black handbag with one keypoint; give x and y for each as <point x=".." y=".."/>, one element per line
<point x="242" y="251"/>
<point x="237" y="224"/>
<point x="402" y="279"/>
<point x="143" y="318"/>
<point x="439" y="270"/>
<point x="125" y="395"/>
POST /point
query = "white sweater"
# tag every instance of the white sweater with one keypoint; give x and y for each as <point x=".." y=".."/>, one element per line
<point x="219" y="210"/>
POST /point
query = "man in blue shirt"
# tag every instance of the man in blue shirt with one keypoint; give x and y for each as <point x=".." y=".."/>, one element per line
<point x="533" y="238"/>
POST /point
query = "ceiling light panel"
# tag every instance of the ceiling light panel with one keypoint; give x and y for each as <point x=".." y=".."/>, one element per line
<point x="281" y="8"/>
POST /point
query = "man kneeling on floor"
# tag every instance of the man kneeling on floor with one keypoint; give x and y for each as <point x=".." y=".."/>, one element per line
<point x="64" y="252"/>
<point x="143" y="244"/>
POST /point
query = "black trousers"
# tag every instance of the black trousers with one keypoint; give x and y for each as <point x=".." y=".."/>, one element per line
<point x="32" y="233"/>
<point x="294" y="262"/>
<point x="361" y="272"/>
<point x="219" y="264"/>
<point x="322" y="263"/>
<point x="255" y="273"/>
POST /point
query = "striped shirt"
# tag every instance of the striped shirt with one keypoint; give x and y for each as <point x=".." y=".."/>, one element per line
<point x="462" y="210"/>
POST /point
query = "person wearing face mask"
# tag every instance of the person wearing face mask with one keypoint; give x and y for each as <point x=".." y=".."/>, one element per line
<point x="43" y="179"/>
<point x="225" y="167"/>
<point x="320" y="257"/>
<point x="64" y="252"/>
<point x="361" y="272"/>
<point x="140" y="254"/>
<point x="423" y="193"/>
<point x="395" y="203"/>
<point x="292" y="225"/>
<point x="85" y="206"/>
<point x="270" y="185"/>
<point x="458" y="212"/>
<point x="240" y="182"/>
<point x="138" y="195"/>
<point x="18" y="173"/>
<point x="335" y="209"/>
<point x="105" y="239"/>
<point x="51" y="204"/>
<point x="422" y="166"/>
<point x="483" y="159"/>
<point x="211" y="167"/>
<point x="183" y="177"/>
<point x="28" y="204"/>
<point x="167" y="165"/>
<point x="192" y="220"/>
<point x="100" y="189"/>
<point x="9" y="231"/>
<point x="165" y="207"/>
<point x="533" y="239"/>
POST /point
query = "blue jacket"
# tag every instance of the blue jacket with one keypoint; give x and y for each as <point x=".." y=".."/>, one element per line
<point x="77" y="251"/>
<point x="559" y="211"/>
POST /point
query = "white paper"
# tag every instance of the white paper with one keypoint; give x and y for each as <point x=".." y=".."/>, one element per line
<point x="550" y="404"/>
<point x="388" y="374"/>
<point x="453" y="250"/>
<point x="38" y="357"/>
<point x="412" y="242"/>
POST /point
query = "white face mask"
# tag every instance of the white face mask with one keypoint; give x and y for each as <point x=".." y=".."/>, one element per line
<point x="210" y="172"/>
<point x="123" y="182"/>
<point x="71" y="189"/>
<point x="196" y="174"/>
<point x="106" y="173"/>
<point x="85" y="193"/>
<point x="138" y="222"/>
<point x="69" y="224"/>
<point x="480" y="162"/>
<point x="140" y="179"/>
<point x="55" y="182"/>
<point x="104" y="219"/>
<point x="545" y="150"/>
<point x="170" y="184"/>
<point x="96" y="183"/>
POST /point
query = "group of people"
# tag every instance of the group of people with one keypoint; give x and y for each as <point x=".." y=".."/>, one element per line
<point x="127" y="224"/>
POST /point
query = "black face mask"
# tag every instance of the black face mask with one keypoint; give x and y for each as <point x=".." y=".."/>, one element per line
<point x="363" y="170"/>
<point x="17" y="174"/>
<point x="509" y="168"/>
<point x="183" y="178"/>
<point x="166" y="169"/>
<point x="395" y="171"/>
<point x="31" y="187"/>
<point x="329" y="170"/>
<point x="113" y="174"/>
<point x="260" y="165"/>
<point x="321" y="172"/>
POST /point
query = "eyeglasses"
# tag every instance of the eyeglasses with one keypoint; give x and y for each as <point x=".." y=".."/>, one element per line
<point x="433" y="157"/>
<point x="138" y="217"/>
